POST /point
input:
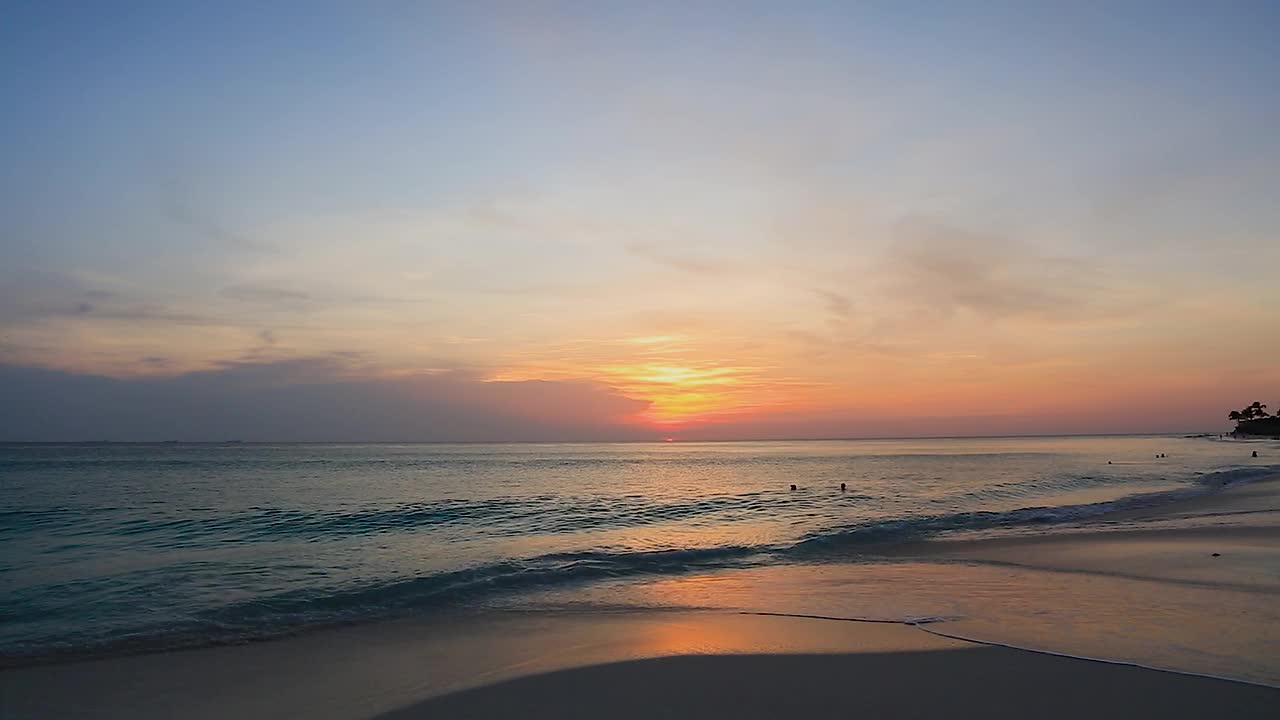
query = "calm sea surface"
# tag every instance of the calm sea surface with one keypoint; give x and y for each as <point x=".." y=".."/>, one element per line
<point x="114" y="548"/>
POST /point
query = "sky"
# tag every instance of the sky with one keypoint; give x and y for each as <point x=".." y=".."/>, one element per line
<point x="631" y="221"/>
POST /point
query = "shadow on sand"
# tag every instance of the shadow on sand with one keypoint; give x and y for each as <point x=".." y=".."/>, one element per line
<point x="983" y="683"/>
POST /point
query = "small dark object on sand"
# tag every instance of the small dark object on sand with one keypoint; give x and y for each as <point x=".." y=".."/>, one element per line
<point x="793" y="487"/>
<point x="842" y="488"/>
<point x="1217" y="554"/>
<point x="1255" y="453"/>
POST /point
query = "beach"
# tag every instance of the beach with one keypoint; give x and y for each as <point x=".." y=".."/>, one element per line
<point x="542" y="360"/>
<point x="609" y="659"/>
<point x="631" y="665"/>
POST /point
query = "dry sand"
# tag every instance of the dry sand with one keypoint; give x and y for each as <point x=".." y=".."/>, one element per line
<point x="979" y="683"/>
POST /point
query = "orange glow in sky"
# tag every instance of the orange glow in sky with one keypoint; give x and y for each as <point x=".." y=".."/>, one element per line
<point x="636" y="225"/>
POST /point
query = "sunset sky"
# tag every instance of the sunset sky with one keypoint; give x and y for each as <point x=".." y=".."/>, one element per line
<point x="542" y="221"/>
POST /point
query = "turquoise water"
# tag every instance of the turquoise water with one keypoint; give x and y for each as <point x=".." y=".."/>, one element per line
<point x="114" y="548"/>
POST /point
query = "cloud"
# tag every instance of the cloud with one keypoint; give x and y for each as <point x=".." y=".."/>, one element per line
<point x="940" y="270"/>
<point x="319" y="398"/>
<point x="147" y="313"/>
<point x="36" y="296"/>
<point x="180" y="201"/>
<point x="836" y="304"/>
<point x="265" y="294"/>
<point x="1198" y="414"/>
<point x="651" y="252"/>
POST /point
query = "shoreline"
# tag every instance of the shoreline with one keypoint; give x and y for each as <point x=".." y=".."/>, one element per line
<point x="476" y="663"/>
<point x="360" y="671"/>
<point x="578" y="665"/>
<point x="933" y="547"/>
<point x="1173" y="542"/>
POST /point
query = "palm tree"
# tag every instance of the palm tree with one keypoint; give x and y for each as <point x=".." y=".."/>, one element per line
<point x="1258" y="410"/>
<point x="1235" y="416"/>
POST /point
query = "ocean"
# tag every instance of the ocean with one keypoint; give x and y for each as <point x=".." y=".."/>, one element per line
<point x="120" y="548"/>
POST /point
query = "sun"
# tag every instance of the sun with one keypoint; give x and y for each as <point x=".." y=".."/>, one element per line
<point x="682" y="386"/>
<point x="679" y="395"/>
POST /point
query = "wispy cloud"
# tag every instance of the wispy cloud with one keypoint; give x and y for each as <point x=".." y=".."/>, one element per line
<point x="835" y="303"/>
<point x="265" y="294"/>
<point x="677" y="260"/>
<point x="940" y="270"/>
<point x="31" y="296"/>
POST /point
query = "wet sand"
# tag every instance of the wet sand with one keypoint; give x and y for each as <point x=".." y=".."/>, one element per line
<point x="361" y="672"/>
<point x="677" y="664"/>
<point x="1228" y="539"/>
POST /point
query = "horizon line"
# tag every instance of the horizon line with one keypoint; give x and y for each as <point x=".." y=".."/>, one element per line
<point x="1186" y="434"/>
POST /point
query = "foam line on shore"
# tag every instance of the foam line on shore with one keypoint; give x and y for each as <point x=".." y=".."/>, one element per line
<point x="1014" y="565"/>
<point x="909" y="621"/>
